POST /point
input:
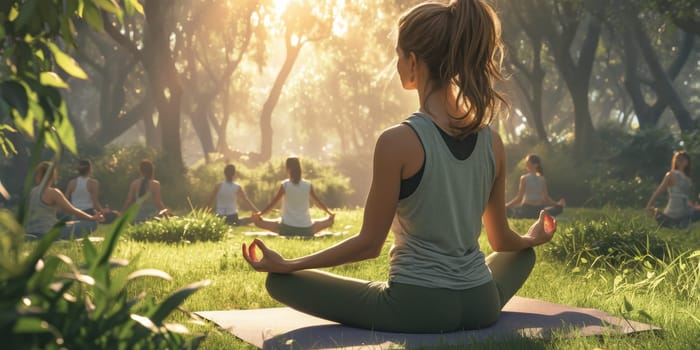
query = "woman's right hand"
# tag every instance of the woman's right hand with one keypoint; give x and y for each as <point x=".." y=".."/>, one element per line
<point x="271" y="261"/>
<point x="98" y="217"/>
<point x="542" y="231"/>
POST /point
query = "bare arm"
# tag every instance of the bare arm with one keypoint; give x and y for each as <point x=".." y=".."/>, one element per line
<point x="94" y="189"/>
<point x="54" y="197"/>
<point x="521" y="192"/>
<point x="378" y="215"/>
<point x="667" y="181"/>
<point x="274" y="201"/>
<point x="318" y="201"/>
<point x="499" y="233"/>
<point x="244" y="196"/>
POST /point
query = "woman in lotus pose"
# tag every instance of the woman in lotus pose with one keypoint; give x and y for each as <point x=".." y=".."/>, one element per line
<point x="436" y="176"/>
<point x="680" y="210"/>
<point x="226" y="196"/>
<point x="296" y="219"/>
<point x="142" y="186"/>
<point x="533" y="196"/>
<point x="84" y="190"/>
<point x="44" y="203"/>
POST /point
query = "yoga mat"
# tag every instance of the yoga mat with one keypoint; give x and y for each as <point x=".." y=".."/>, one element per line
<point x="272" y="234"/>
<point x="285" y="328"/>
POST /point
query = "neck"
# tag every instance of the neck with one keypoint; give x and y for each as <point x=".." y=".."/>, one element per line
<point x="440" y="106"/>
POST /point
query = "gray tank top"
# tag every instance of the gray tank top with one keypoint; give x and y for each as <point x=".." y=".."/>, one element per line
<point x="534" y="186"/>
<point x="677" y="206"/>
<point x="437" y="227"/>
<point x="42" y="217"/>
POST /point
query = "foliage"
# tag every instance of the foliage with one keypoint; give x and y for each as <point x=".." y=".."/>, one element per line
<point x="606" y="243"/>
<point x="632" y="193"/>
<point x="197" y="226"/>
<point x="678" y="273"/>
<point x="30" y="33"/>
<point x="51" y="302"/>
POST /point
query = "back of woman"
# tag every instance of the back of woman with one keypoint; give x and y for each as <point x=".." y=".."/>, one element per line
<point x="437" y="229"/>
<point x="534" y="188"/>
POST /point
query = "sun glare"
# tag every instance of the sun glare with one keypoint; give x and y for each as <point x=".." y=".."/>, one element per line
<point x="280" y="6"/>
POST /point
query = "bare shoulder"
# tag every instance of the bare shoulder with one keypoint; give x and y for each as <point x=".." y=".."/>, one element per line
<point x="398" y="138"/>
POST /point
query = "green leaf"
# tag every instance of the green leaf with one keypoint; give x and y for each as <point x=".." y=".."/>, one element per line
<point x="93" y="16"/>
<point x="14" y="94"/>
<point x="112" y="236"/>
<point x="65" y="130"/>
<point x="31" y="325"/>
<point x="131" y="5"/>
<point x="67" y="63"/>
<point x="175" y="299"/>
<point x="149" y="273"/>
<point x="109" y="6"/>
<point x="52" y="79"/>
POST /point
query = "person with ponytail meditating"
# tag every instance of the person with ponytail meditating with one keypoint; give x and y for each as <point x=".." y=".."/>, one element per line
<point x="146" y="185"/>
<point x="436" y="176"/>
<point x="296" y="195"/>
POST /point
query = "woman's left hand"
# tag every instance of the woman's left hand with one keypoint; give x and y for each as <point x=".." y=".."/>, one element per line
<point x="271" y="261"/>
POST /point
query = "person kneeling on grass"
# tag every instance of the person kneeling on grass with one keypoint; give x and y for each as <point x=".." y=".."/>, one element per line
<point x="226" y="195"/>
<point x="44" y="203"/>
<point x="296" y="219"/>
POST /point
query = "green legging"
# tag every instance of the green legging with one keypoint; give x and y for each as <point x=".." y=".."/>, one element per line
<point x="397" y="307"/>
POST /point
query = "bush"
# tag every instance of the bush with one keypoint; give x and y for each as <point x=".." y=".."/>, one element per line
<point x="50" y="302"/>
<point x="632" y="193"/>
<point x="607" y="243"/>
<point x="197" y="226"/>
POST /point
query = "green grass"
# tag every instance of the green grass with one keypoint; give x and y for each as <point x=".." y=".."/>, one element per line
<point x="236" y="286"/>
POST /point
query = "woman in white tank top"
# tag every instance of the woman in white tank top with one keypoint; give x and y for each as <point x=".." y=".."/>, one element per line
<point x="226" y="195"/>
<point x="532" y="194"/>
<point x="297" y="193"/>
<point x="83" y="191"/>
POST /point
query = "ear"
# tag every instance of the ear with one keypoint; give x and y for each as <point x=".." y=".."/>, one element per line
<point x="413" y="60"/>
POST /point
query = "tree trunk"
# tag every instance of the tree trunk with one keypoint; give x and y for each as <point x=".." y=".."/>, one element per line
<point x="272" y="99"/>
<point x="163" y="79"/>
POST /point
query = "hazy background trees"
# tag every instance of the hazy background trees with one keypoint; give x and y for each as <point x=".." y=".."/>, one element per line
<point x="246" y="80"/>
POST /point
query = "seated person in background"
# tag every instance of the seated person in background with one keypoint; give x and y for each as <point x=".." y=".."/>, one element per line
<point x="226" y="195"/>
<point x="532" y="194"/>
<point x="142" y="186"/>
<point x="296" y="220"/>
<point x="46" y="200"/>
<point x="680" y="210"/>
<point x="83" y="191"/>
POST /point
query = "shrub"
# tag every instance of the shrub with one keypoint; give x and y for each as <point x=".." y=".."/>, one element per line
<point x="607" y="191"/>
<point x="50" y="302"/>
<point x="197" y="226"/>
<point x="607" y="243"/>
